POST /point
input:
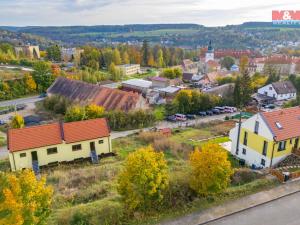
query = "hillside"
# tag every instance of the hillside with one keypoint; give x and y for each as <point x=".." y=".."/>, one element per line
<point x="247" y="35"/>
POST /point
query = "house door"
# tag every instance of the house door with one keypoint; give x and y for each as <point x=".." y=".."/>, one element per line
<point x="92" y="146"/>
<point x="34" y="156"/>
<point x="296" y="143"/>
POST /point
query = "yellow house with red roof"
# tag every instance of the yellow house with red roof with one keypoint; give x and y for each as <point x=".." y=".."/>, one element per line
<point x="43" y="145"/>
<point x="267" y="138"/>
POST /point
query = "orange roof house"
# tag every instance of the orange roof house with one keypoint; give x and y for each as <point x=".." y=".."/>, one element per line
<point x="57" y="142"/>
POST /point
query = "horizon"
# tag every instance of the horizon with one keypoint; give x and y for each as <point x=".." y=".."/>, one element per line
<point x="213" y="13"/>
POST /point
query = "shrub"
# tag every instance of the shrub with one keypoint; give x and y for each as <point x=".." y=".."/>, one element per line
<point x="243" y="176"/>
<point x="149" y="137"/>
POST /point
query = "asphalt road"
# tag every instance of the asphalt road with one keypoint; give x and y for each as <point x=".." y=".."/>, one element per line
<point x="284" y="211"/>
<point x="19" y="101"/>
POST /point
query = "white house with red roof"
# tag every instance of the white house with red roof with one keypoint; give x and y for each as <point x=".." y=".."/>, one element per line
<point x="43" y="145"/>
<point x="267" y="138"/>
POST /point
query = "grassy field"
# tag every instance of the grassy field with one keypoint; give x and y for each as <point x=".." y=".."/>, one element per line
<point x="87" y="194"/>
<point x="10" y="74"/>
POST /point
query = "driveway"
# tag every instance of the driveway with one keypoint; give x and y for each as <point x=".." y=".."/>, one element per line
<point x="283" y="211"/>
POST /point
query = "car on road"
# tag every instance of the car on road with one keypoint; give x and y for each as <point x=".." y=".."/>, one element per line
<point x="180" y="117"/>
<point x="43" y="95"/>
<point x="171" y="118"/>
<point x="209" y="113"/>
<point x="216" y="111"/>
<point x="191" y="116"/>
<point x="20" y="107"/>
<point x="270" y="106"/>
<point x="2" y="122"/>
<point x="202" y="113"/>
<point x="229" y="109"/>
<point x="221" y="109"/>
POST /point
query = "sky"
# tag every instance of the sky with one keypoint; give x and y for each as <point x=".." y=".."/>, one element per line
<point x="99" y="12"/>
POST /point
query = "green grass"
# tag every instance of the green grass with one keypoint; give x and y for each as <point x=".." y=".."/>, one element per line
<point x="2" y="141"/>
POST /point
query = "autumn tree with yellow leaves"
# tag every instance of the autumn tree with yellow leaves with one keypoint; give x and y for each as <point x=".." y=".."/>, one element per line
<point x="94" y="111"/>
<point x="210" y="169"/>
<point x="143" y="179"/>
<point x="17" y="121"/>
<point x="24" y="199"/>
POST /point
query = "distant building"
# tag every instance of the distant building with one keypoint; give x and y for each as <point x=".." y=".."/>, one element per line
<point x="189" y="66"/>
<point x="130" y="69"/>
<point x="71" y="54"/>
<point x="281" y="90"/>
<point x="30" y="51"/>
<point x="39" y="146"/>
<point x="209" y="55"/>
<point x="84" y="93"/>
<point x="224" y="91"/>
<point x="136" y="85"/>
<point x="160" y="82"/>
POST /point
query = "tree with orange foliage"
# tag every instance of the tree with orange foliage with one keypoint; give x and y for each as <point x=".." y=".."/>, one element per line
<point x="210" y="169"/>
<point x="24" y="199"/>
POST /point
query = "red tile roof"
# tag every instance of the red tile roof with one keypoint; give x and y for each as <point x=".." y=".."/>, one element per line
<point x="34" y="137"/>
<point x="53" y="134"/>
<point x="288" y="119"/>
<point x="85" y="130"/>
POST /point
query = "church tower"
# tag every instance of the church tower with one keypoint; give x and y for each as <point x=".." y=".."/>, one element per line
<point x="209" y="55"/>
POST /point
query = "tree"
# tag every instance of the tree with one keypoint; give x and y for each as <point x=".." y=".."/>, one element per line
<point x="151" y="61"/>
<point x="116" y="58"/>
<point x="42" y="75"/>
<point x="273" y="75"/>
<point x="54" y="53"/>
<point x="145" y="53"/>
<point x="237" y="92"/>
<point x="29" y="82"/>
<point x="17" y="121"/>
<point x="24" y="199"/>
<point x="172" y="73"/>
<point x="160" y="59"/>
<point x="227" y="62"/>
<point x="244" y="62"/>
<point x="183" y="101"/>
<point x="210" y="169"/>
<point x="125" y="58"/>
<point x="246" y="87"/>
<point x="94" y="111"/>
<point x="143" y="179"/>
<point x="115" y="72"/>
<point x="75" y="113"/>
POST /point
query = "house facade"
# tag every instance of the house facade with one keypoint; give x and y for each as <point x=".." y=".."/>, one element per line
<point x="43" y="145"/>
<point x="130" y="69"/>
<point x="281" y="90"/>
<point x="267" y="138"/>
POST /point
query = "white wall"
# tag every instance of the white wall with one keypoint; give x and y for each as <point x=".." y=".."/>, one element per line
<point x="272" y="93"/>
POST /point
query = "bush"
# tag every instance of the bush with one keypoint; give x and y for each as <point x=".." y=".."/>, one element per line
<point x="149" y="137"/>
<point x="56" y="104"/>
<point x="243" y="176"/>
<point x="97" y="213"/>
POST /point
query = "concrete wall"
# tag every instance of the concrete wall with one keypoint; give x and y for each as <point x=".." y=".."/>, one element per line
<point x="64" y="153"/>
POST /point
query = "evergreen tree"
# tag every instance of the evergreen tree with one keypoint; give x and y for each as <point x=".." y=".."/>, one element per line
<point x="160" y="59"/>
<point x="145" y="52"/>
<point x="237" y="92"/>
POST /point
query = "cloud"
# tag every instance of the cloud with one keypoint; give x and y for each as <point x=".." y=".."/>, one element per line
<point x="92" y="12"/>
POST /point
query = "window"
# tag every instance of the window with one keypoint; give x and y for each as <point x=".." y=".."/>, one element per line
<point x="270" y="88"/>
<point x="278" y="125"/>
<point x="291" y="141"/>
<point x="265" y="148"/>
<point x="244" y="151"/>
<point x="256" y="127"/>
<point x="281" y="146"/>
<point x="245" y="138"/>
<point x="22" y="155"/>
<point x="263" y="162"/>
<point x="101" y="142"/>
<point x="76" y="147"/>
<point x="51" y="151"/>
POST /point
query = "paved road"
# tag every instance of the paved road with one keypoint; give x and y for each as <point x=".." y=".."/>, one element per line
<point x="284" y="211"/>
<point x="18" y="101"/>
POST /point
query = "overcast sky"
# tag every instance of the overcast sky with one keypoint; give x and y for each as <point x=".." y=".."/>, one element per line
<point x="97" y="12"/>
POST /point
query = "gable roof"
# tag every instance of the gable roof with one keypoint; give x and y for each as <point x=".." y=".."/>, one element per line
<point x="56" y="133"/>
<point x="187" y="76"/>
<point x="284" y="87"/>
<point x="85" y="94"/>
<point x="284" y="123"/>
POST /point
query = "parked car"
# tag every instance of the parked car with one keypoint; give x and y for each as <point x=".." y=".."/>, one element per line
<point x="221" y="109"/>
<point x="43" y="95"/>
<point x="20" y="107"/>
<point x="180" y="117"/>
<point x="202" y="113"/>
<point x="209" y="113"/>
<point x="230" y="109"/>
<point x="270" y="106"/>
<point x="216" y="111"/>
<point x="171" y="118"/>
<point x="2" y="122"/>
<point x="190" y="116"/>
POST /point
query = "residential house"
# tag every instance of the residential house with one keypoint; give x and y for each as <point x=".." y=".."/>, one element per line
<point x="71" y="54"/>
<point x="160" y="82"/>
<point x="43" y="145"/>
<point x="130" y="69"/>
<point x="84" y="93"/>
<point x="281" y="90"/>
<point x="267" y="138"/>
<point x="137" y="85"/>
<point x="189" y="66"/>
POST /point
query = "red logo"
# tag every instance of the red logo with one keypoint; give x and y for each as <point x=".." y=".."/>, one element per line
<point x="285" y="15"/>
